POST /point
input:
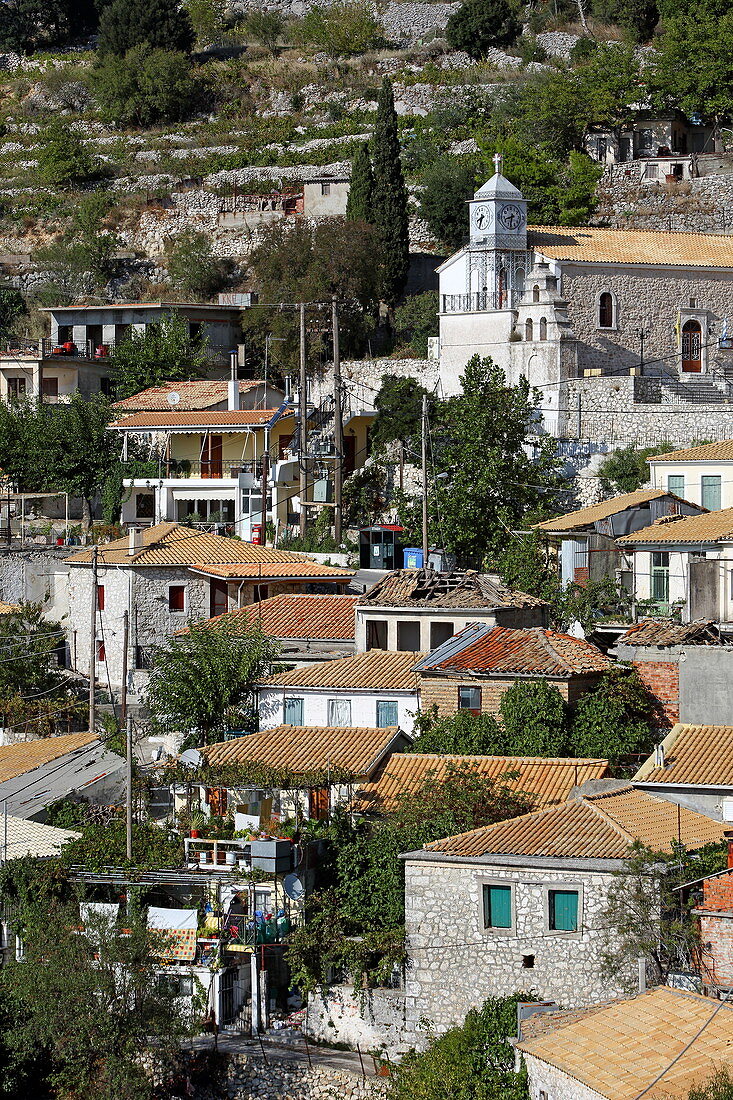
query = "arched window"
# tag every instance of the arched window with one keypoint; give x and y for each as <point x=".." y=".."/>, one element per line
<point x="691" y="347"/>
<point x="502" y="288"/>
<point x="519" y="281"/>
<point x="528" y="329"/>
<point x="543" y="328"/>
<point x="605" y="310"/>
<point x="535" y="293"/>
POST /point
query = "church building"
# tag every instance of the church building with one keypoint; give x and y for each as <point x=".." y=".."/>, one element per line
<point x="556" y="304"/>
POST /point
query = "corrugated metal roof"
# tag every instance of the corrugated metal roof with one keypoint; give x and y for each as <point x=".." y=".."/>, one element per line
<point x="303" y="749"/>
<point x="657" y="1045"/>
<point x="708" y="527"/>
<point x="26" y="755"/>
<point x="426" y="588"/>
<point x="490" y="650"/>
<point x="640" y="247"/>
<point x="30" y="838"/>
<point x="595" y="827"/>
<point x="662" y="633"/>
<point x="376" y="670"/>
<point x="174" y="544"/>
<point x="199" y="393"/>
<point x="586" y="517"/>
<point x="693" y="754"/>
<point x="296" y="616"/>
<point x="706" y="452"/>
<point x="297" y="570"/>
<point x="549" y="780"/>
<point x="225" y="418"/>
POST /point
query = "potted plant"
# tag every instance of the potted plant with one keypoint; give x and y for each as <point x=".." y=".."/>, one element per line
<point x="198" y="821"/>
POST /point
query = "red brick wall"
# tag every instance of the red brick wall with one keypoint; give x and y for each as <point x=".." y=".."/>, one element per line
<point x="718" y="933"/>
<point x="718" y="892"/>
<point x="662" y="680"/>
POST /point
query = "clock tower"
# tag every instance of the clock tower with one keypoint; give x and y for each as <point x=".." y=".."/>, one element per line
<point x="497" y="246"/>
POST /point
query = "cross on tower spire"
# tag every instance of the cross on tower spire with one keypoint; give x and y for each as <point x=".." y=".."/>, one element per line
<point x="497" y="163"/>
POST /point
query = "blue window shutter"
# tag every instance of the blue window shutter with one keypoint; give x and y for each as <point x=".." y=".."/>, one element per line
<point x="676" y="484"/>
<point x="711" y="491"/>
<point x="497" y="906"/>
<point x="564" y="910"/>
<point x="293" y="712"/>
<point x="386" y="713"/>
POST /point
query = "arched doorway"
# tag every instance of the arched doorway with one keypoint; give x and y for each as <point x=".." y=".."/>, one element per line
<point x="691" y="347"/>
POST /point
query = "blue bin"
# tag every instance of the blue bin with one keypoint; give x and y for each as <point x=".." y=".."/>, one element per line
<point x="413" y="557"/>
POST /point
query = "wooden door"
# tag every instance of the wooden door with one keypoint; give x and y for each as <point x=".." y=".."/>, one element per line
<point x="691" y="347"/>
<point x="349" y="454"/>
<point x="211" y="464"/>
<point x="218" y="598"/>
<point x="319" y="803"/>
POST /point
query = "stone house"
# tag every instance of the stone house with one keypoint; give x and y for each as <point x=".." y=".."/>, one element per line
<point x="682" y="564"/>
<point x="474" y="669"/>
<point x="547" y="781"/>
<point x="701" y="474"/>
<point x="301" y="758"/>
<point x="164" y="577"/>
<point x="657" y="1045"/>
<point x="376" y="689"/>
<point x="585" y="540"/>
<point x="714" y="911"/>
<point x="693" y="767"/>
<point x="520" y="905"/>
<point x="418" y="609"/>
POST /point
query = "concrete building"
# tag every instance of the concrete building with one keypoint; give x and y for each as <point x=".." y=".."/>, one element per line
<point x="702" y="474"/>
<point x="473" y="670"/>
<point x="520" y="904"/>
<point x="375" y="689"/>
<point x="669" y="142"/>
<point x="693" y="767"/>
<point x="418" y="609"/>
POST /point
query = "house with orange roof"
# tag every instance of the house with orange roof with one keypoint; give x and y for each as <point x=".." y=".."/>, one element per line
<point x="702" y="473"/>
<point x="693" y="767"/>
<point x="166" y="576"/>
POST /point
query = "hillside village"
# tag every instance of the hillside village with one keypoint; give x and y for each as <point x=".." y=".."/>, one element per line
<point x="366" y="542"/>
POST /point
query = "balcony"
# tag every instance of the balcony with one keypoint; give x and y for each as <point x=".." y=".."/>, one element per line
<point x="248" y="474"/>
<point x="217" y="355"/>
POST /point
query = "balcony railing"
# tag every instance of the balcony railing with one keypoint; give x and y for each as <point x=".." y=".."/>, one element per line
<point x="216" y="354"/>
<point x="212" y="469"/>
<point x="478" y="301"/>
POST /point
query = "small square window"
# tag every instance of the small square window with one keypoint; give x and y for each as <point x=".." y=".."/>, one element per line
<point x="469" y="698"/>
<point x="176" y="598"/>
<point x="325" y="188"/>
<point x="293" y="712"/>
<point x="339" y="712"/>
<point x="563" y="910"/>
<point x="386" y="713"/>
<point x="497" y="906"/>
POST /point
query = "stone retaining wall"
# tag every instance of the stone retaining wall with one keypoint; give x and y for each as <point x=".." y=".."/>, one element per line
<point x="250" y="1079"/>
<point x="700" y="205"/>
<point x="371" y="1020"/>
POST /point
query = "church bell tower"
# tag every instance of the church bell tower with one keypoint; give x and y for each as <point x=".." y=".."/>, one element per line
<point x="498" y="241"/>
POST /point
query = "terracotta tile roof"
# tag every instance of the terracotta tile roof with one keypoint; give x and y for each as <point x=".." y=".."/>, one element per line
<point x="279" y="570"/>
<point x="656" y="1045"/>
<point x="706" y="452"/>
<point x="226" y="418"/>
<point x="662" y="633"/>
<point x="632" y="246"/>
<point x="26" y="755"/>
<point x="9" y="608"/>
<point x="199" y="393"/>
<point x="375" y="670"/>
<point x="600" y="826"/>
<point x="426" y="588"/>
<point x="174" y="544"/>
<point x="494" y="650"/>
<point x="31" y="838"/>
<point x="296" y="616"/>
<point x="549" y="780"/>
<point x="586" y="517"/>
<point x="303" y="749"/>
<point x="705" y="528"/>
<point x="693" y="754"/>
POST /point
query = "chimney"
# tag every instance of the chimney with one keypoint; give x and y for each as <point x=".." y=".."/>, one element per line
<point x="135" y="540"/>
<point x="659" y="756"/>
<point x="232" y="394"/>
<point x="728" y="834"/>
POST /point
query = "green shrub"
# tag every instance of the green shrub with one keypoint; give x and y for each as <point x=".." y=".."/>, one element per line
<point x="416" y="320"/>
<point x="266" y="27"/>
<point x="63" y="159"/>
<point x="145" y="86"/>
<point x="342" y="28"/>
<point x="480" y="24"/>
<point x="193" y="268"/>
<point x="160" y="24"/>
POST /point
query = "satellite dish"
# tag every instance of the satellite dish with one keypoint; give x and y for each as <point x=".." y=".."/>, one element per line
<point x="173" y="398"/>
<point x="191" y="758"/>
<point x="293" y="887"/>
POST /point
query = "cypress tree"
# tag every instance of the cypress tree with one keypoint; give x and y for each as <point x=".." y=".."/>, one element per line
<point x="359" y="203"/>
<point x="389" y="199"/>
<point x="162" y="24"/>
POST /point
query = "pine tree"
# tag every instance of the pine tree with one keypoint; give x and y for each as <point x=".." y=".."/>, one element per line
<point x="361" y="191"/>
<point x="162" y="24"/>
<point x="389" y="201"/>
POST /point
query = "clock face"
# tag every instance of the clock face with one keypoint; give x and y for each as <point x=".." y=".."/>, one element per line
<point x="511" y="217"/>
<point x="482" y="217"/>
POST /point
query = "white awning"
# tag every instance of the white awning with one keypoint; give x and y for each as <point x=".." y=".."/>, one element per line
<point x="172" y="919"/>
<point x="204" y="494"/>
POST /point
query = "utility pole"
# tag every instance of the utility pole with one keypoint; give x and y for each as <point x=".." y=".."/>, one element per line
<point x="128" y="785"/>
<point x="338" y="426"/>
<point x="303" y="428"/>
<point x="641" y="350"/>
<point x="93" y="644"/>
<point x="265" y="472"/>
<point x="425" y="481"/>
<point x="123" y="694"/>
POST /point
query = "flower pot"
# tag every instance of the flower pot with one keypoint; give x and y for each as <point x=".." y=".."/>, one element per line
<point x="195" y="834"/>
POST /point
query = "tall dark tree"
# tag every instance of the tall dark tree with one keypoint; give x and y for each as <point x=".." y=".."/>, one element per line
<point x="389" y="204"/>
<point x="162" y="24"/>
<point x="361" y="191"/>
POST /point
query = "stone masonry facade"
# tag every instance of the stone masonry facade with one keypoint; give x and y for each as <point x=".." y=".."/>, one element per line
<point x="442" y="691"/>
<point x="250" y="1078"/>
<point x="546" y="1082"/>
<point x="455" y="963"/>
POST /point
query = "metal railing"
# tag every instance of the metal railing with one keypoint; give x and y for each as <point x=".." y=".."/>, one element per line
<point x="478" y="301"/>
<point x="209" y="469"/>
<point x="216" y="354"/>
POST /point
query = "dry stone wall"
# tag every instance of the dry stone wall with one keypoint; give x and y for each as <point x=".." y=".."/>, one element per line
<point x="701" y="205"/>
<point x="251" y="1079"/>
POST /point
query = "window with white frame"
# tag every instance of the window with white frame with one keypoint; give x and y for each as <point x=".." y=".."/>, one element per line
<point x="386" y="713"/>
<point x="293" y="712"/>
<point x="339" y="712"/>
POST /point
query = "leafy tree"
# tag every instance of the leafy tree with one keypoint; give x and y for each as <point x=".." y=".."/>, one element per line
<point x="94" y="1003"/>
<point x="398" y="406"/>
<point x="28" y="25"/>
<point x="105" y="845"/>
<point x="208" y="18"/>
<point x="474" y="1061"/>
<point x="614" y="719"/>
<point x="389" y="199"/>
<point x="627" y="469"/>
<point x="461" y="734"/>
<point x="718" y="1087"/>
<point x="164" y="352"/>
<point x="638" y="17"/>
<point x="144" y="86"/>
<point x="365" y="495"/>
<point x="62" y="158"/>
<point x="447" y="184"/>
<point x="193" y="267"/>
<point x="266" y="27"/>
<point x="28" y="644"/>
<point x="12" y="308"/>
<point x="202" y="682"/>
<point x="359" y="202"/>
<point x="694" y="60"/>
<point x="416" y="320"/>
<point x="480" y="24"/>
<point x="534" y="715"/>
<point x="345" y="27"/>
<point x="161" y="24"/>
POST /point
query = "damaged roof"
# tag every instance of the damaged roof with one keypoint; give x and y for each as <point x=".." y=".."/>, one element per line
<point x="493" y="650"/>
<point x="662" y="633"/>
<point x="428" y="588"/>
